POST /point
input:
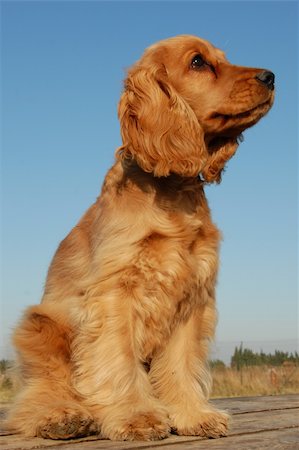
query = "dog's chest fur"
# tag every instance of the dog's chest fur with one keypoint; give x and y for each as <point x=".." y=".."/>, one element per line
<point x="173" y="253"/>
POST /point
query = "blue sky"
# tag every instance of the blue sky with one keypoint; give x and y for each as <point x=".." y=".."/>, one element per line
<point x="63" y="64"/>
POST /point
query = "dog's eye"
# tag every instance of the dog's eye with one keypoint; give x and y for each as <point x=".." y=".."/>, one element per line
<point x="197" y="62"/>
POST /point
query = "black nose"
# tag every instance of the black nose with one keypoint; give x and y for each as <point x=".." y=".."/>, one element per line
<point x="267" y="78"/>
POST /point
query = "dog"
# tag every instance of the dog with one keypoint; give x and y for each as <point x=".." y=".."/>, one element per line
<point x="119" y="344"/>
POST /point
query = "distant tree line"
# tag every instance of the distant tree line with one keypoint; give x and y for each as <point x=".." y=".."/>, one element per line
<point x="5" y="364"/>
<point x="5" y="379"/>
<point x="243" y="357"/>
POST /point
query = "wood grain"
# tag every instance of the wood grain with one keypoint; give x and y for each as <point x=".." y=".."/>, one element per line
<point x="257" y="423"/>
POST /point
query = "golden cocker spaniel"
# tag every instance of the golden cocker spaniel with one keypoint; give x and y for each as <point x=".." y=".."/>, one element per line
<point x="119" y="344"/>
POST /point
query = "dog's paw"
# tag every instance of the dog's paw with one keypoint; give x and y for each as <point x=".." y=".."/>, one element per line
<point x="142" y="426"/>
<point x="66" y="423"/>
<point x="206" y="423"/>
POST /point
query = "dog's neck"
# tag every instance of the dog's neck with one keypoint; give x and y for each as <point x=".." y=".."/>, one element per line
<point x="173" y="193"/>
<point x="146" y="181"/>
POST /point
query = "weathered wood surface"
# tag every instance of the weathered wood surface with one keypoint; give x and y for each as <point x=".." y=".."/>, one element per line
<point x="257" y="423"/>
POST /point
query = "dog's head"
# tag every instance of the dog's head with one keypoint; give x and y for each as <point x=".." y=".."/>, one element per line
<point x="184" y="107"/>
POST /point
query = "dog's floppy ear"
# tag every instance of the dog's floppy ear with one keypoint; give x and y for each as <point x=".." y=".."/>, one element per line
<point x="159" y="129"/>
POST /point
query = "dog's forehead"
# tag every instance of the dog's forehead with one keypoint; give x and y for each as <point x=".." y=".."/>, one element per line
<point x="204" y="47"/>
<point x="183" y="44"/>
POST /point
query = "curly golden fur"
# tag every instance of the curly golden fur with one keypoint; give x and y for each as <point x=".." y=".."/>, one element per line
<point x="119" y="344"/>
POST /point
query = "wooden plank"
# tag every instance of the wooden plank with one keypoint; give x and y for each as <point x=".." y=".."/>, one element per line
<point x="266" y="420"/>
<point x="267" y="440"/>
<point x="91" y="442"/>
<point x="18" y="442"/>
<point x="237" y="405"/>
<point x="82" y="444"/>
<point x="252" y="418"/>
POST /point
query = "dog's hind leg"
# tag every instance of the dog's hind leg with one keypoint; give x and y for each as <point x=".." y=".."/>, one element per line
<point x="47" y="405"/>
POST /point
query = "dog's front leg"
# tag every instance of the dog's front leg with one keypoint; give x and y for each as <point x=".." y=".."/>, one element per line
<point x="108" y="373"/>
<point x="180" y="377"/>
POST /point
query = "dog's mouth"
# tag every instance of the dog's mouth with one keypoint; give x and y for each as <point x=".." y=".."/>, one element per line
<point x="249" y="113"/>
<point x="228" y="128"/>
<point x="226" y="125"/>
